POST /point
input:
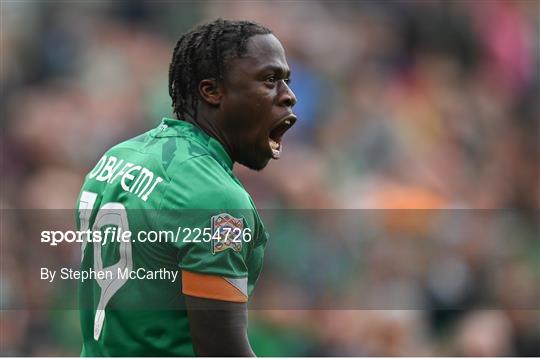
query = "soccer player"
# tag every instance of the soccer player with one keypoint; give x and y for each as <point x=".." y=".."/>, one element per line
<point x="229" y="86"/>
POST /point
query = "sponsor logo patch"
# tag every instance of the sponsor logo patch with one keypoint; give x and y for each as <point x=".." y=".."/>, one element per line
<point x="226" y="233"/>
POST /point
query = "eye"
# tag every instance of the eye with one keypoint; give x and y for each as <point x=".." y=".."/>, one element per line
<point x="288" y="81"/>
<point x="270" y="79"/>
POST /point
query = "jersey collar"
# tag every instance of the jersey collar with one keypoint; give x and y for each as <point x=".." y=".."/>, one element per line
<point x="171" y="128"/>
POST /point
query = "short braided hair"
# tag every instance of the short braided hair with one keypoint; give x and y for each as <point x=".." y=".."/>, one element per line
<point x="202" y="53"/>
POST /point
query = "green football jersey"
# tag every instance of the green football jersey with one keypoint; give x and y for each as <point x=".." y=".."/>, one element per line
<point x="166" y="213"/>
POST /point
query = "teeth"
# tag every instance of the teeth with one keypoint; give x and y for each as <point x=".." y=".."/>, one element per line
<point x="276" y="149"/>
<point x="287" y="122"/>
<point x="274" y="145"/>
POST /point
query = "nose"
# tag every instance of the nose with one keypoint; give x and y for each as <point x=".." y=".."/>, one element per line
<point x="287" y="96"/>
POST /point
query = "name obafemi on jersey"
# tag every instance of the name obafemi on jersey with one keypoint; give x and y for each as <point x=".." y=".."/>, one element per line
<point x="174" y="179"/>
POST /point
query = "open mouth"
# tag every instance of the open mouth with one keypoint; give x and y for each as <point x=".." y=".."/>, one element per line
<point x="276" y="134"/>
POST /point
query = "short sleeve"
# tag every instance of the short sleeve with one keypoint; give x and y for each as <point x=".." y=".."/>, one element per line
<point x="215" y="225"/>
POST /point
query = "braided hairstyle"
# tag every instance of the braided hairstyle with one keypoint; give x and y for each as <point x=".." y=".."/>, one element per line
<point x="202" y="53"/>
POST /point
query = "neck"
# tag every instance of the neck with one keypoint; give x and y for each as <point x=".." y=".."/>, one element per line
<point x="210" y="127"/>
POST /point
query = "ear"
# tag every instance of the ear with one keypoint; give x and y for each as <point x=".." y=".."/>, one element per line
<point x="210" y="91"/>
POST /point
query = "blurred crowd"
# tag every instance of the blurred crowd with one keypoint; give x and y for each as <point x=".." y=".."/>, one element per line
<point x="418" y="123"/>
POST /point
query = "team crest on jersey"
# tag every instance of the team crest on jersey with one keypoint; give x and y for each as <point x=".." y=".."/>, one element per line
<point x="226" y="233"/>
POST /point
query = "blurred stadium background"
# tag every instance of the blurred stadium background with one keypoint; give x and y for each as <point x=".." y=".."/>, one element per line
<point x="402" y="105"/>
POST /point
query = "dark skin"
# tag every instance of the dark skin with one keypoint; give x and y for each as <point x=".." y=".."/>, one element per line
<point x="218" y="328"/>
<point x="241" y="111"/>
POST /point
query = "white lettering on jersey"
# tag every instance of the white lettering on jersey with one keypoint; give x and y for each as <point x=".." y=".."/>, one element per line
<point x="128" y="176"/>
<point x="144" y="175"/>
<point x="141" y="184"/>
<point x="98" y="167"/>
<point x="107" y="169"/>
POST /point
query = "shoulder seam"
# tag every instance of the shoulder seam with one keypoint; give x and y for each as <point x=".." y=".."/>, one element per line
<point x="171" y="178"/>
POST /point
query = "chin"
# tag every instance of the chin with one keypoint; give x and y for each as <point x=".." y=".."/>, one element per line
<point x="255" y="164"/>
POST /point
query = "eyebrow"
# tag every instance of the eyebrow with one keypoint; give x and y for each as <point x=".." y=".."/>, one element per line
<point x="277" y="69"/>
